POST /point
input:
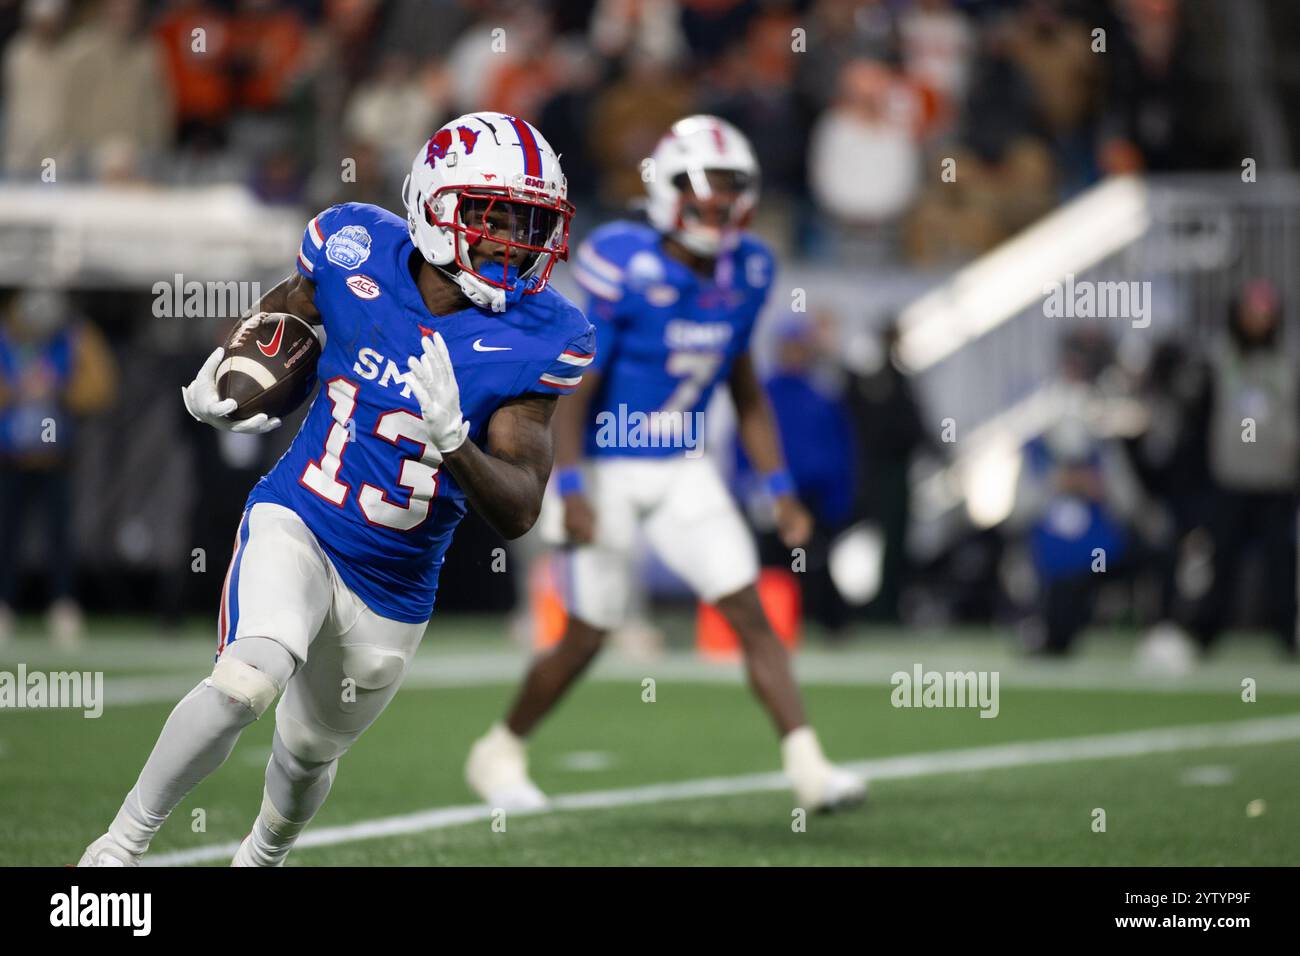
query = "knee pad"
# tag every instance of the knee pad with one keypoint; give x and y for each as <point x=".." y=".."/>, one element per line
<point x="307" y="740"/>
<point x="373" y="668"/>
<point x="244" y="683"/>
<point x="295" y="767"/>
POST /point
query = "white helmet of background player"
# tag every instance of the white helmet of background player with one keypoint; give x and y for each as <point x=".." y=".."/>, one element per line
<point x="489" y="175"/>
<point x="696" y="157"/>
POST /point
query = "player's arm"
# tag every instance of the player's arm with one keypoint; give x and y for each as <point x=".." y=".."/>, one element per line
<point x="505" y="482"/>
<point x="296" y="294"/>
<point x="756" y="426"/>
<point x="570" y="429"/>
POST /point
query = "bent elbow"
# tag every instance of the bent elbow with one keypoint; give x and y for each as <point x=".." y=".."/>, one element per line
<point x="522" y="523"/>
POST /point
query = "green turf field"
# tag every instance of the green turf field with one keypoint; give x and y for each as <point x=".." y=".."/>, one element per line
<point x="1167" y="800"/>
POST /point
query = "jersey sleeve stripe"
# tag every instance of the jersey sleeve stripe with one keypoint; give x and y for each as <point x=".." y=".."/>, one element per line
<point x="313" y="230"/>
<point x="598" y="264"/>
<point x="576" y="358"/>
<point x="596" y="285"/>
<point x="559" y="382"/>
<point x="304" y="262"/>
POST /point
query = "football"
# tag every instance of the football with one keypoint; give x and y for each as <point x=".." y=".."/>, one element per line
<point x="270" y="365"/>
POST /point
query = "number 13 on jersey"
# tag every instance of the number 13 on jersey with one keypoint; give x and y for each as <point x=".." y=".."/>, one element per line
<point x="419" y="475"/>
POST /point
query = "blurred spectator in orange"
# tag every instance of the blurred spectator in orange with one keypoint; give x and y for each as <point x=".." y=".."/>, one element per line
<point x="37" y="77"/>
<point x="195" y="38"/>
<point x="267" y="43"/>
<point x="121" y="110"/>
<point x="53" y="369"/>
<point x="864" y="158"/>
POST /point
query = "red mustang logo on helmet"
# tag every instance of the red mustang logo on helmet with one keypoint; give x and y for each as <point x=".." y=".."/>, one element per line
<point x="441" y="141"/>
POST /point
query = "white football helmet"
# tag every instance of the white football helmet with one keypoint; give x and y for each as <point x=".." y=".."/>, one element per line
<point x="679" y="189"/>
<point x="488" y="176"/>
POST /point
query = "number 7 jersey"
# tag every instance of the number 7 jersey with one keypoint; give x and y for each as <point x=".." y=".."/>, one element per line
<point x="357" y="473"/>
<point x="667" y="336"/>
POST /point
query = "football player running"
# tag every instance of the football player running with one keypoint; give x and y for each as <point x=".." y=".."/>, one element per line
<point x="444" y="353"/>
<point x="674" y="304"/>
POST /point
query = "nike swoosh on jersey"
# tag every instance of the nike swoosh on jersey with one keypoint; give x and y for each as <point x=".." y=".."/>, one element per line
<point x="273" y="348"/>
<point x="480" y="347"/>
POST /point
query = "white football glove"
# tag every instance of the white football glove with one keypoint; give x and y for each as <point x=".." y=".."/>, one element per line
<point x="433" y="382"/>
<point x="201" y="401"/>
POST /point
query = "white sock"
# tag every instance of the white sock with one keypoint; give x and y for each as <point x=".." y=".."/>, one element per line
<point x="272" y="838"/>
<point x="801" y="753"/>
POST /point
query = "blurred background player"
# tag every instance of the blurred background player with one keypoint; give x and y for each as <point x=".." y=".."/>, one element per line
<point x="674" y="304"/>
<point x="54" y="369"/>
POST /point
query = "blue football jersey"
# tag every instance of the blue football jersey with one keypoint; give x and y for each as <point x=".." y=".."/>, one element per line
<point x="666" y="335"/>
<point x="379" y="506"/>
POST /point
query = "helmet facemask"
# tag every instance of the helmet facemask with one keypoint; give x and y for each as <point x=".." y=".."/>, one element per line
<point x="507" y="238"/>
<point x="713" y="205"/>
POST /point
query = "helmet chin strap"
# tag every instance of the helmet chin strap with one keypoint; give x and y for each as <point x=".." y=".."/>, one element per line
<point x="482" y="294"/>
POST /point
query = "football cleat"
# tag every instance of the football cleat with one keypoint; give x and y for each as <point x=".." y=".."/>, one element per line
<point x="819" y="785"/>
<point x="497" y="770"/>
<point x="247" y="855"/>
<point x="108" y="852"/>
<point x="836" y="789"/>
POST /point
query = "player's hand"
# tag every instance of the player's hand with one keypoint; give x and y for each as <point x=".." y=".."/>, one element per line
<point x="201" y="401"/>
<point x="433" y="381"/>
<point x="794" y="524"/>
<point x="579" y="519"/>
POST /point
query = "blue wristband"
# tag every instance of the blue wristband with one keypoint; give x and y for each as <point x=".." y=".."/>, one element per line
<point x="569" y="481"/>
<point x="779" y="483"/>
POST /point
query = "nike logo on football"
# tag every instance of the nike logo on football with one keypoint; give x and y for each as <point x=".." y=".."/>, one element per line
<point x="480" y="347"/>
<point x="270" y="350"/>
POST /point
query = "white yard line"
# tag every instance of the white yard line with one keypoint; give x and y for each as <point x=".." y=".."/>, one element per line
<point x="1065" y="750"/>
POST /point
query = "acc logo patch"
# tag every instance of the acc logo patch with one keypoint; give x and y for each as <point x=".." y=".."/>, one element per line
<point x="349" y="247"/>
<point x="363" y="287"/>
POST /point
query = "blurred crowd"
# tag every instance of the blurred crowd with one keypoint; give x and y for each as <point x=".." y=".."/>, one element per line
<point x="1161" y="492"/>
<point x="973" y="116"/>
<point x="914" y="131"/>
